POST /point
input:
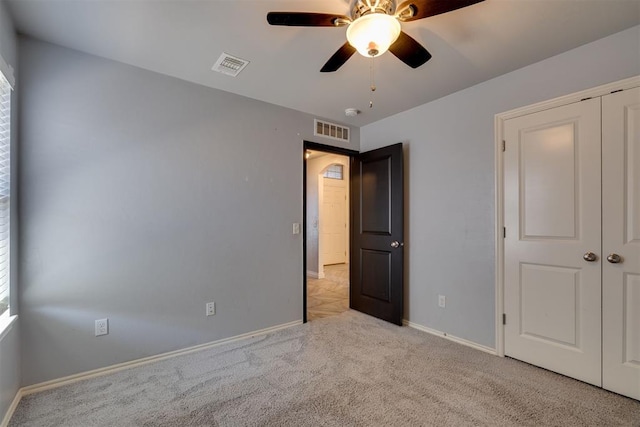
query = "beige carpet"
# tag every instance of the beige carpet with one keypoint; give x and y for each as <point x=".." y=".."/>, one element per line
<point x="347" y="370"/>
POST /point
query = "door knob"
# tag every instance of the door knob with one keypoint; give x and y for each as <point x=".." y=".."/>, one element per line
<point x="614" y="258"/>
<point x="590" y="257"/>
<point x="396" y="244"/>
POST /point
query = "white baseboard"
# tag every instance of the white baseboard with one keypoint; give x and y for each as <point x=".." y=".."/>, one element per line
<point x="47" y="385"/>
<point x="450" y="337"/>
<point x="315" y="274"/>
<point x="12" y="409"/>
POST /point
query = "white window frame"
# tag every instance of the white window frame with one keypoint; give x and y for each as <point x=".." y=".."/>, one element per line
<point x="7" y="83"/>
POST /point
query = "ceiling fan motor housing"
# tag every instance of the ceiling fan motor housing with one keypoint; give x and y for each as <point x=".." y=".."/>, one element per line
<point x="365" y="7"/>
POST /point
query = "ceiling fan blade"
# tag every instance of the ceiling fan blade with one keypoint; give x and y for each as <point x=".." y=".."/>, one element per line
<point x="409" y="51"/>
<point x="339" y="58"/>
<point x="303" y="19"/>
<point x="425" y="8"/>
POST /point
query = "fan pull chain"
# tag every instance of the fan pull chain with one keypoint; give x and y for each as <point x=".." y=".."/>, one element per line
<point x="373" y="80"/>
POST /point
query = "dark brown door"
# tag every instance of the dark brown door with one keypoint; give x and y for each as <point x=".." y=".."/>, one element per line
<point x="377" y="243"/>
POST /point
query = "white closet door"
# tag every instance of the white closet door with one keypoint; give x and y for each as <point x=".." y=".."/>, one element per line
<point x="621" y="236"/>
<point x="552" y="187"/>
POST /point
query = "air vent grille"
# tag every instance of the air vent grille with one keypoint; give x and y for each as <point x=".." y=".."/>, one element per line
<point x="229" y="65"/>
<point x="331" y="130"/>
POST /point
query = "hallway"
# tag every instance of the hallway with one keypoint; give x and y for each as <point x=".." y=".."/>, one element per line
<point x="329" y="296"/>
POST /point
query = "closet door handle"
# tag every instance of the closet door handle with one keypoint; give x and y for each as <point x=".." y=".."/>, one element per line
<point x="614" y="258"/>
<point x="590" y="257"/>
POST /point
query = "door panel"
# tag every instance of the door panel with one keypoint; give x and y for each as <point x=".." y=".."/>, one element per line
<point x="377" y="205"/>
<point x="376" y="188"/>
<point x="559" y="324"/>
<point x="621" y="235"/>
<point x="547" y="173"/>
<point x="376" y="278"/>
<point x="553" y="217"/>
<point x="631" y="321"/>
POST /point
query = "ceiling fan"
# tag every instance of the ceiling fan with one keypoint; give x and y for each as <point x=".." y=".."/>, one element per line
<point x="374" y="28"/>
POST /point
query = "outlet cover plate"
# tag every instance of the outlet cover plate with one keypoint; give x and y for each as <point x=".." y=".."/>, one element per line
<point x="211" y="308"/>
<point x="102" y="327"/>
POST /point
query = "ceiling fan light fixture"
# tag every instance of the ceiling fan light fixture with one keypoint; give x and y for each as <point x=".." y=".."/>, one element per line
<point x="373" y="34"/>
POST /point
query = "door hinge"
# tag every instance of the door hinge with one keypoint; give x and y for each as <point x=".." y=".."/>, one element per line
<point x="504" y="232"/>
<point x="504" y="318"/>
<point x="504" y="145"/>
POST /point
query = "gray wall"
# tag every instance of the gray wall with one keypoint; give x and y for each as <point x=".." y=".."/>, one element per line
<point x="449" y="181"/>
<point x="10" y="342"/>
<point x="142" y="198"/>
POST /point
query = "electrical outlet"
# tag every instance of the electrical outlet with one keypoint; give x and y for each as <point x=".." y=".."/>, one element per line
<point x="442" y="301"/>
<point x="211" y="308"/>
<point x="102" y="327"/>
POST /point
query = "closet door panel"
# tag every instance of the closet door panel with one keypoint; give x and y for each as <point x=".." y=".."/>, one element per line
<point x="621" y="242"/>
<point x="553" y="218"/>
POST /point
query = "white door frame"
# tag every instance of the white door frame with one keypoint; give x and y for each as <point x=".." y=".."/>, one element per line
<point x="499" y="180"/>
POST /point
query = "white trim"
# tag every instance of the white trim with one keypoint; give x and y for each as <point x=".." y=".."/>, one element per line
<point x="499" y="174"/>
<point x="499" y="243"/>
<point x="6" y="323"/>
<point x="315" y="274"/>
<point x="449" y="337"/>
<point x="571" y="98"/>
<point x="7" y="72"/>
<point x="12" y="409"/>
<point x="47" y="385"/>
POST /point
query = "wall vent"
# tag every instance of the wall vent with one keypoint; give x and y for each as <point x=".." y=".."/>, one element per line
<point x="229" y="65"/>
<point x="331" y="130"/>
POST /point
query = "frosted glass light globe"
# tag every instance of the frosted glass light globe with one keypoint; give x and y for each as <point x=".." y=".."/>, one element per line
<point x="372" y="34"/>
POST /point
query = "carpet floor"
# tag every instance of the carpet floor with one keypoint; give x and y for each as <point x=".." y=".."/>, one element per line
<point x="347" y="370"/>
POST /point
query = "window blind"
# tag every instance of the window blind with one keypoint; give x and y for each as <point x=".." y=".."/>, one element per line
<point x="5" y="190"/>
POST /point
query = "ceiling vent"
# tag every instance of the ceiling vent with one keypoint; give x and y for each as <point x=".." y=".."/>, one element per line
<point x="229" y="65"/>
<point x="331" y="130"/>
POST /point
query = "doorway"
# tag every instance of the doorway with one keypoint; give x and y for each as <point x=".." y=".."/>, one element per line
<point x="375" y="229"/>
<point x="327" y="232"/>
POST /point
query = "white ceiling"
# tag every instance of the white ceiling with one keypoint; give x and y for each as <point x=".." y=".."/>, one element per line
<point x="183" y="38"/>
